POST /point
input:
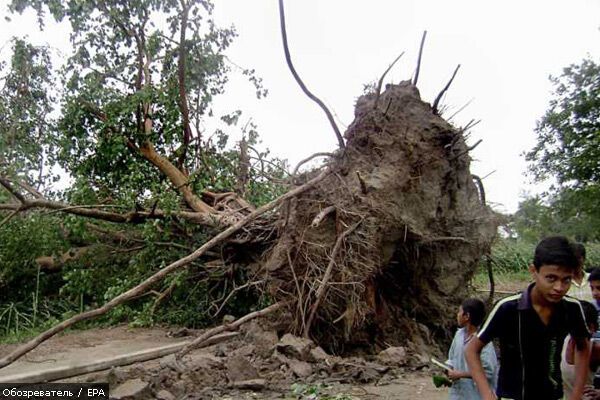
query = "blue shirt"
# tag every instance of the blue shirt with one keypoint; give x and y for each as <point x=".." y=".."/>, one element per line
<point x="465" y="389"/>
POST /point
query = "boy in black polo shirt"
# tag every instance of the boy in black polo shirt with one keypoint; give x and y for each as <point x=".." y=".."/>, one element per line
<point x="531" y="328"/>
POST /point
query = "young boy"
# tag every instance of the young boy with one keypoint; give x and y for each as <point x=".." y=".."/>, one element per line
<point x="579" y="288"/>
<point x="469" y="317"/>
<point x="566" y="365"/>
<point x="531" y="328"/>
<point x="594" y="280"/>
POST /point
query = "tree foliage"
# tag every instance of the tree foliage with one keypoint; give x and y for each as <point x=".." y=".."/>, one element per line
<point x="563" y="214"/>
<point x="126" y="118"/>
<point x="568" y="135"/>
<point x="26" y="101"/>
<point x="568" y="150"/>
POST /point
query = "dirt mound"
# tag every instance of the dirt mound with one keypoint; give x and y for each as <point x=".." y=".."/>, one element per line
<point x="381" y="251"/>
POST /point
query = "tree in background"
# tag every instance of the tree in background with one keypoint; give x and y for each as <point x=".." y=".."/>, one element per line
<point x="26" y="100"/>
<point x="568" y="150"/>
<point x="563" y="213"/>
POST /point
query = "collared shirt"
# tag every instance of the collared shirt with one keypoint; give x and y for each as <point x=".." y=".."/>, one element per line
<point x="529" y="349"/>
<point x="581" y="291"/>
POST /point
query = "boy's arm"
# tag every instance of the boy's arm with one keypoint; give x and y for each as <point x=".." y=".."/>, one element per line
<point x="582" y="362"/>
<point x="472" y="356"/>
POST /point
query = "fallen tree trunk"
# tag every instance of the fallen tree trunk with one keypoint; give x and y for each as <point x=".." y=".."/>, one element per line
<point x="144" y="286"/>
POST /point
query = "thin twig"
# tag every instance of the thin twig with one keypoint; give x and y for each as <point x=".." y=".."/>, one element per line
<point x="234" y="291"/>
<point x="485" y="176"/>
<point x="439" y="96"/>
<point x="162" y="296"/>
<point x="307" y="159"/>
<point x="300" y="300"/>
<point x="468" y="149"/>
<point x="311" y="96"/>
<point x="158" y="276"/>
<point x="416" y="79"/>
<point x="459" y="110"/>
<point x="8" y="217"/>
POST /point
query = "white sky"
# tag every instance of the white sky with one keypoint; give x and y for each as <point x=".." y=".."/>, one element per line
<point x="506" y="50"/>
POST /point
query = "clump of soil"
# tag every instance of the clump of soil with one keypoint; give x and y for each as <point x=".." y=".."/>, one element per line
<point x="412" y="224"/>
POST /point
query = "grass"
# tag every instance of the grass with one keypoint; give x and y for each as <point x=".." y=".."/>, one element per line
<point x="505" y="281"/>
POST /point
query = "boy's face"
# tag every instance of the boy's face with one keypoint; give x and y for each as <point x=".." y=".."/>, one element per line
<point x="461" y="317"/>
<point x="552" y="282"/>
<point x="595" y="286"/>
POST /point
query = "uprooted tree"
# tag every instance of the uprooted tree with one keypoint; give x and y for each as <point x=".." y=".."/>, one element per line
<point x="374" y="247"/>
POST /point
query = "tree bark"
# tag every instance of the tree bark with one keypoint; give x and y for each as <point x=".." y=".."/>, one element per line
<point x="177" y="178"/>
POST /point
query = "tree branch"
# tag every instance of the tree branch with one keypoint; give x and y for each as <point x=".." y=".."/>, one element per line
<point x="6" y="183"/>
<point x="182" y="101"/>
<point x="311" y="96"/>
<point x="130" y="217"/>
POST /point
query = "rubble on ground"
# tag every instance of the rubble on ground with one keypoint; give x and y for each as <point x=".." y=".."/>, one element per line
<point x="256" y="363"/>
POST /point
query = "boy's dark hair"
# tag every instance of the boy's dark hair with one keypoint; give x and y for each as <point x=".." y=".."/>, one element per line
<point x="555" y="250"/>
<point x="579" y="249"/>
<point x="476" y="310"/>
<point x="594" y="274"/>
<point x="590" y="313"/>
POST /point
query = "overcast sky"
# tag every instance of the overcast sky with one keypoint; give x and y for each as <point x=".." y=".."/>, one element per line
<point x="506" y="50"/>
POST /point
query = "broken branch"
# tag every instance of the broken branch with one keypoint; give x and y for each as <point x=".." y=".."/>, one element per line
<point x="6" y="183"/>
<point x="439" y="96"/>
<point x="419" y="59"/>
<point x="321" y="215"/>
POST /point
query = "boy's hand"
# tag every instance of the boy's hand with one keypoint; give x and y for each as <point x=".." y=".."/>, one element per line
<point x="591" y="394"/>
<point x="454" y="374"/>
<point x="490" y="396"/>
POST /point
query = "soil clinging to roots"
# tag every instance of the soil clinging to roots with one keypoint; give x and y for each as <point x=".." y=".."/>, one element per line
<point x="381" y="251"/>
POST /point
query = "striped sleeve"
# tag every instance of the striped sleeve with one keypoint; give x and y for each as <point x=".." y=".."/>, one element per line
<point x="495" y="320"/>
<point x="577" y="324"/>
